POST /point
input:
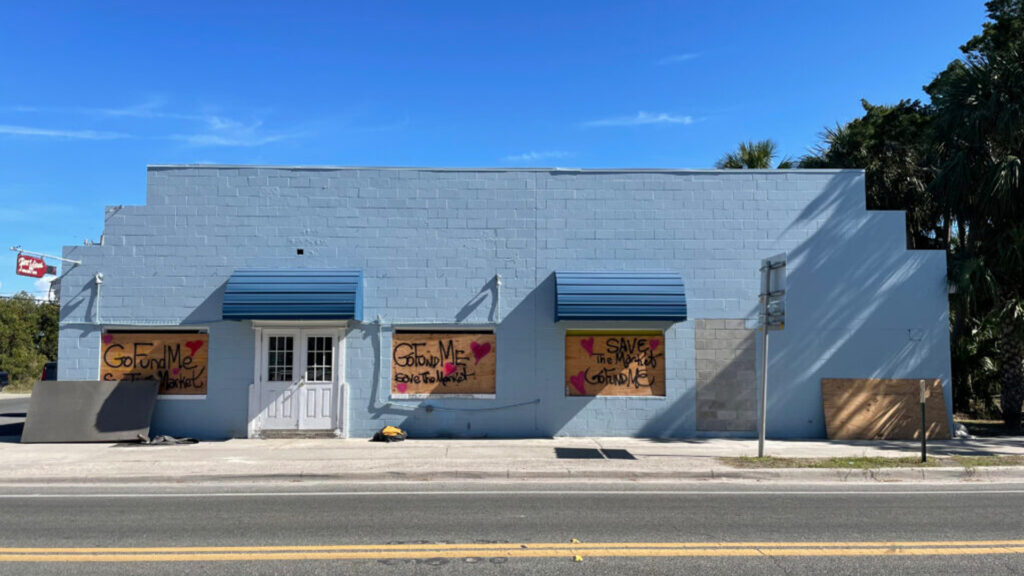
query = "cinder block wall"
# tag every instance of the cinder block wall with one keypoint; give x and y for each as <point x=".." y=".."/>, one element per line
<point x="430" y="240"/>
<point x="726" y="376"/>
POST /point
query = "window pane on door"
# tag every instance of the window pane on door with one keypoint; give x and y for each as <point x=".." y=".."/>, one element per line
<point x="320" y="359"/>
<point x="280" y="357"/>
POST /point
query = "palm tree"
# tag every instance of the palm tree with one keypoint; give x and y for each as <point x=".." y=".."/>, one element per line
<point x="979" y="128"/>
<point x="754" y="156"/>
<point x="891" y="144"/>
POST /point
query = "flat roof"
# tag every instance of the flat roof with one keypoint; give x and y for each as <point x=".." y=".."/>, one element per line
<point x="533" y="169"/>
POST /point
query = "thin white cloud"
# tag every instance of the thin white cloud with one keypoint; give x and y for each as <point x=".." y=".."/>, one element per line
<point x="228" y="141"/>
<point x="677" y="58"/>
<point x="535" y="156"/>
<point x="227" y="132"/>
<point x="641" y="119"/>
<point x="31" y="131"/>
<point x="199" y="130"/>
<point x="148" y="109"/>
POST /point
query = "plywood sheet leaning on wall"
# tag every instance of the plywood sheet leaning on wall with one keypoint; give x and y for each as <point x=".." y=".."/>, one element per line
<point x="442" y="363"/>
<point x="878" y="409"/>
<point x="178" y="361"/>
<point x="615" y="363"/>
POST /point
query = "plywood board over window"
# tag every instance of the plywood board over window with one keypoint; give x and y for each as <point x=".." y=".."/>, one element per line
<point x="442" y="363"/>
<point x="615" y="363"/>
<point x="178" y="361"/>
<point x="878" y="409"/>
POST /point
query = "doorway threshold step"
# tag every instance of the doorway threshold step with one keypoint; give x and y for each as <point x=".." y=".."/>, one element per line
<point x="289" y="434"/>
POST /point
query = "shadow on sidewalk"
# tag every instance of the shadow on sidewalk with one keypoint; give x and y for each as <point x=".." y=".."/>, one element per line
<point x="593" y="454"/>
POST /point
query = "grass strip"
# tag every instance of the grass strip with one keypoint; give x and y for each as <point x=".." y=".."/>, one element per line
<point x="848" y="463"/>
<point x="873" y="462"/>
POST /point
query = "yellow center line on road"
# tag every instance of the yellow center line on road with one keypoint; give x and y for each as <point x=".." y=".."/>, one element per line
<point x="513" y="553"/>
<point x="426" y="547"/>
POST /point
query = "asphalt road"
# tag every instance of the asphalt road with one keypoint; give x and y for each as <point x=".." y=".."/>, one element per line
<point x="512" y="528"/>
<point x="12" y="416"/>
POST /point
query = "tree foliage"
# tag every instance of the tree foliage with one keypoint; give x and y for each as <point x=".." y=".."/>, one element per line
<point x="955" y="166"/>
<point x="978" y="130"/>
<point x="891" y="144"/>
<point x="28" y="337"/>
<point x="753" y="155"/>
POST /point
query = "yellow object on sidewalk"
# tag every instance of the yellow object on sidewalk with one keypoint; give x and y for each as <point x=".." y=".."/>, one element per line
<point x="390" y="434"/>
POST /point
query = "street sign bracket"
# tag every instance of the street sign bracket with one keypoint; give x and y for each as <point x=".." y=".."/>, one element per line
<point x="21" y="250"/>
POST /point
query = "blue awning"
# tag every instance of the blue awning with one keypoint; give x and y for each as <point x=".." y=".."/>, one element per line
<point x="619" y="296"/>
<point x="294" y="294"/>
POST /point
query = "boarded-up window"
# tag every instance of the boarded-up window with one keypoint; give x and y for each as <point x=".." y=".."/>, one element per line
<point x="177" y="360"/>
<point x="615" y="363"/>
<point x="442" y="363"/>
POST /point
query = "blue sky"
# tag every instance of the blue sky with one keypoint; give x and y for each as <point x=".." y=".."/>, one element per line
<point x="92" y="92"/>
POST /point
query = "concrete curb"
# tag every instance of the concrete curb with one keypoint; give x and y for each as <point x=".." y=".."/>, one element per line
<point x="789" y="475"/>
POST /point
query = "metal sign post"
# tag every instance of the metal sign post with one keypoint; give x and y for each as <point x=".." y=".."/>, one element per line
<point x="772" y="317"/>
<point x="924" y="425"/>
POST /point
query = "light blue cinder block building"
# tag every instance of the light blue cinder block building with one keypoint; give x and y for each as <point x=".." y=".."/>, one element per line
<point x="300" y="282"/>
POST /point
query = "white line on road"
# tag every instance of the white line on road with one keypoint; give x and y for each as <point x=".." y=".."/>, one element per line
<point x="579" y="493"/>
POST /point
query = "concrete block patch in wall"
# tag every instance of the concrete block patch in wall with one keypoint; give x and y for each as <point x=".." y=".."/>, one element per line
<point x="726" y="377"/>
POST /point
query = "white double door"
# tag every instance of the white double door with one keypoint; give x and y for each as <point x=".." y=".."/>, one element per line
<point x="299" y="379"/>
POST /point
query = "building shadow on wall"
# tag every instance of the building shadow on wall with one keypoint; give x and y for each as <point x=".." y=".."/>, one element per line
<point x="852" y="282"/>
<point x="851" y="278"/>
<point x="86" y="295"/>
<point x="525" y="397"/>
<point x="488" y="291"/>
<point x="210" y="309"/>
<point x="852" y="312"/>
<point x="562" y="413"/>
<point x="672" y="423"/>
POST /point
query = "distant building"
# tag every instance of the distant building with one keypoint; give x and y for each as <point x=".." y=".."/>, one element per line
<point x="497" y="303"/>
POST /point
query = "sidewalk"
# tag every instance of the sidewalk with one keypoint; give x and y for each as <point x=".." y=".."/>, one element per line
<point x="578" y="459"/>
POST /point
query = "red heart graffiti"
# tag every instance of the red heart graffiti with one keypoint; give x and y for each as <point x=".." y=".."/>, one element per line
<point x="579" y="382"/>
<point x="480" y="350"/>
<point x="108" y="338"/>
<point x="654" y="344"/>
<point x="194" y="346"/>
<point x="401" y="387"/>
<point x="449" y="368"/>
<point x="175" y="371"/>
<point x="588" y="345"/>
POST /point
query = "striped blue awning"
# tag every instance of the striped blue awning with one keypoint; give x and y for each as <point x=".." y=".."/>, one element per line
<point x="619" y="296"/>
<point x="294" y="294"/>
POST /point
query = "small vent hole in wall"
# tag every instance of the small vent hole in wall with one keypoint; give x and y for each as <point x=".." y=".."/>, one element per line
<point x="299" y="251"/>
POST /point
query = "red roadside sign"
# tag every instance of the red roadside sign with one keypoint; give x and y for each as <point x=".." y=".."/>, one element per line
<point x="31" y="266"/>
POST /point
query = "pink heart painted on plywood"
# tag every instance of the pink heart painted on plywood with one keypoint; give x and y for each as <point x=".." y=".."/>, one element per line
<point x="175" y="371"/>
<point x="449" y="368"/>
<point x="579" y="382"/>
<point x="401" y="387"/>
<point x="588" y="345"/>
<point x="108" y="338"/>
<point x="654" y="344"/>
<point x="480" y="350"/>
<point x="194" y="346"/>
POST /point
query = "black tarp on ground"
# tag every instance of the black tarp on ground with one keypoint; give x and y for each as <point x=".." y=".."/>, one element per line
<point x="89" y="411"/>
